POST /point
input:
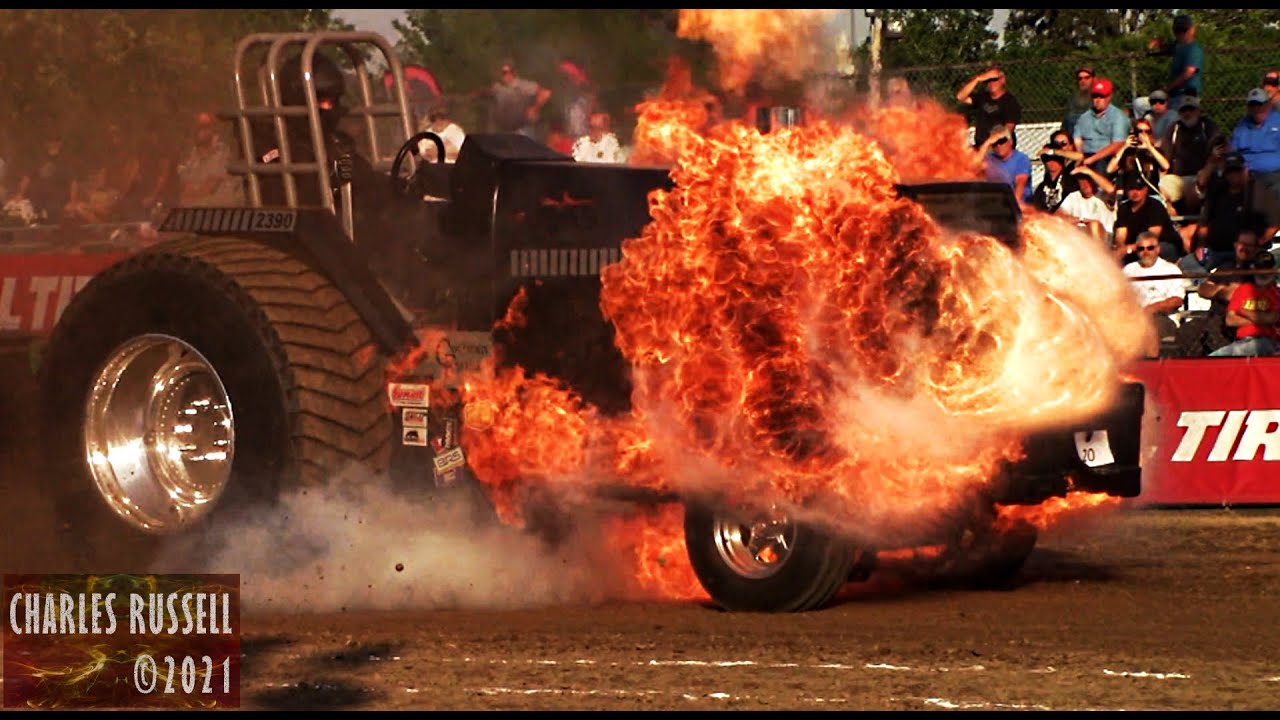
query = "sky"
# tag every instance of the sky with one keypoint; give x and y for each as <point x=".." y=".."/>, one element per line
<point x="378" y="21"/>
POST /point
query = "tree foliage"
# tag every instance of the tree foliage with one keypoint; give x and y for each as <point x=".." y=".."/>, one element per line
<point x="148" y="71"/>
<point x="621" y="50"/>
<point x="939" y="37"/>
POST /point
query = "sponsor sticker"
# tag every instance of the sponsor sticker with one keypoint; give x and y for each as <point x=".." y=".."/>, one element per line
<point x="413" y="418"/>
<point x="414" y="436"/>
<point x="451" y="459"/>
<point x="1094" y="448"/>
<point x="408" y="394"/>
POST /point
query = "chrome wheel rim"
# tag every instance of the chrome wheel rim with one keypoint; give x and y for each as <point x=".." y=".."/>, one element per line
<point x="159" y="435"/>
<point x="755" y="548"/>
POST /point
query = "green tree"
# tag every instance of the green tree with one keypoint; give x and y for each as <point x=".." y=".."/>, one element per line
<point x="939" y="37"/>
<point x="146" y="70"/>
<point x="621" y="50"/>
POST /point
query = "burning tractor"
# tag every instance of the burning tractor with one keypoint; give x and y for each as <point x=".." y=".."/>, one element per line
<point x="333" y="320"/>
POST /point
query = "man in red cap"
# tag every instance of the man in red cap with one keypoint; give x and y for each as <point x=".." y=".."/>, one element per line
<point x="1101" y="130"/>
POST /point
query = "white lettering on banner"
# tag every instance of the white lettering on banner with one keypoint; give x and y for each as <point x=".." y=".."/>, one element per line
<point x="35" y="303"/>
<point x="8" y="321"/>
<point x="1261" y="430"/>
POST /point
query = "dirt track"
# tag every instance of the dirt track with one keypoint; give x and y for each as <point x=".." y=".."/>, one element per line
<point x="1146" y="609"/>
<point x="1157" y="610"/>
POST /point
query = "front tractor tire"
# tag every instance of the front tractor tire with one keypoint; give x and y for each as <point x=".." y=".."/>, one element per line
<point x="194" y="381"/>
<point x="765" y="562"/>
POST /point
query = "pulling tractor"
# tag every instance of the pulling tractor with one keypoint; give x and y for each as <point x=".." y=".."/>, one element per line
<point x="246" y="353"/>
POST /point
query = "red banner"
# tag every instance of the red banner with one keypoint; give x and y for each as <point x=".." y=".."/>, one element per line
<point x="35" y="289"/>
<point x="1212" y="435"/>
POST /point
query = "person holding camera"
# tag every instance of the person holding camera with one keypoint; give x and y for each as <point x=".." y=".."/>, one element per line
<point x="1139" y="157"/>
<point x="1058" y="158"/>
<point x="993" y="105"/>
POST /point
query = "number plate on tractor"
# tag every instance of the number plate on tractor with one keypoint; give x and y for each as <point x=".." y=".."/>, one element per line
<point x="1094" y="448"/>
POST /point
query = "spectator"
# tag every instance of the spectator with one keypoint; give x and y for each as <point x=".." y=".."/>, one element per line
<point x="156" y="186"/>
<point x="1186" y="68"/>
<point x="1187" y="144"/>
<point x="202" y="175"/>
<point x="1139" y="212"/>
<point x="1006" y="164"/>
<point x="107" y="185"/>
<point x="994" y="105"/>
<point x="898" y="93"/>
<point x="1161" y="116"/>
<point x="1078" y="102"/>
<point x="51" y="187"/>
<point x="580" y="100"/>
<point x="1211" y="332"/>
<point x="1139" y="158"/>
<point x="599" y="145"/>
<point x="1102" y="130"/>
<point x="1257" y="138"/>
<point x="1062" y="144"/>
<point x="1057" y="183"/>
<point x="1090" y="205"/>
<point x="438" y="121"/>
<point x="1233" y="202"/>
<point x="1160" y="298"/>
<point x="516" y="102"/>
<point x="1271" y="85"/>
<point x="1253" y="310"/>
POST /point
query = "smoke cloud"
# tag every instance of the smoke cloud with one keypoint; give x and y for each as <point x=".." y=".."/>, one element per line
<point x="357" y="545"/>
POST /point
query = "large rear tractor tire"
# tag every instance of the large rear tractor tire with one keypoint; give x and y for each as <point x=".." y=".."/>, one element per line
<point x="765" y="562"/>
<point x="193" y="382"/>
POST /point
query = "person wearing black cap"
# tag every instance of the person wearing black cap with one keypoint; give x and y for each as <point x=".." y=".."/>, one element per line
<point x="1188" y="144"/>
<point x="1232" y="202"/>
<point x="1140" y="212"/>
<point x="1186" y="68"/>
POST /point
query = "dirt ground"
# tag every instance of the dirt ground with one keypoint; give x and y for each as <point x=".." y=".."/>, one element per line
<point x="1145" y="609"/>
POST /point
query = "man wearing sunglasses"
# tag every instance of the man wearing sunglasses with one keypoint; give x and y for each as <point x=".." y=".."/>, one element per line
<point x="1078" y="101"/>
<point x="1101" y="131"/>
<point x="1161" y="116"/>
<point x="1189" y="144"/>
<point x="1161" y="298"/>
<point x="1271" y="86"/>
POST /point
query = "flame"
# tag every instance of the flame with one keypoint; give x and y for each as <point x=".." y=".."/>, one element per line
<point x="802" y="337"/>
<point x="752" y="44"/>
<point x="1055" y="509"/>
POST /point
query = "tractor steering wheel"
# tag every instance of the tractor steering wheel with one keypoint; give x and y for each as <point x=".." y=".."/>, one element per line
<point x="407" y="186"/>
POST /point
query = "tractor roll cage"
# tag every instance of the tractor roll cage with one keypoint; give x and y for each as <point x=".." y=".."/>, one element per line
<point x="271" y="107"/>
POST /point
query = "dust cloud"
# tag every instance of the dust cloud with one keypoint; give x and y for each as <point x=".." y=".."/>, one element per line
<point x="358" y="545"/>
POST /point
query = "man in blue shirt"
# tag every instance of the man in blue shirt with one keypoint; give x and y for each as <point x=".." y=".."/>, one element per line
<point x="1257" y="138"/>
<point x="1103" y="129"/>
<point x="1186" y="68"/>
<point x="1007" y="164"/>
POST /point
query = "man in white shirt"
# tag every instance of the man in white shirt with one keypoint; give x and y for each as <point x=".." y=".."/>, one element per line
<point x="598" y="145"/>
<point x="450" y="133"/>
<point x="1160" y="298"/>
<point x="1089" y="206"/>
